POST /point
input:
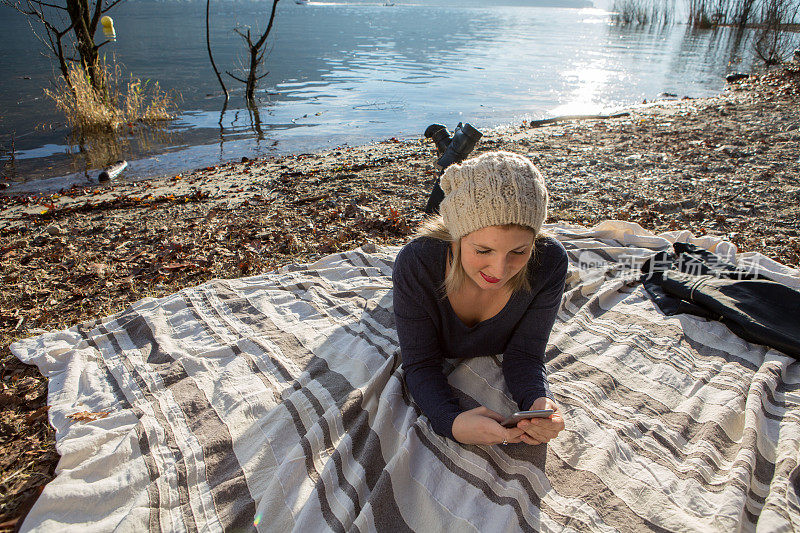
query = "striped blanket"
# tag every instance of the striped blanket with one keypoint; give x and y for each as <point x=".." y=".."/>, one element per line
<point x="277" y="403"/>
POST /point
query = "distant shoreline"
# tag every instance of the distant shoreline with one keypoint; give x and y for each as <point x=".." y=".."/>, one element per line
<point x="468" y="3"/>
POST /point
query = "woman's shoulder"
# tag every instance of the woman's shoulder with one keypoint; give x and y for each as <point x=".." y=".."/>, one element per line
<point x="549" y="265"/>
<point x="421" y="249"/>
<point x="549" y="251"/>
<point x="419" y="268"/>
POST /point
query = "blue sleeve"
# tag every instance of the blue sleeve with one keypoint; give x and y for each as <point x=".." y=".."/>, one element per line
<point x="523" y="359"/>
<point x="414" y="310"/>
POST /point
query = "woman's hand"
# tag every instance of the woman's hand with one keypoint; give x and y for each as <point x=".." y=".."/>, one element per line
<point x="482" y="426"/>
<point x="541" y="430"/>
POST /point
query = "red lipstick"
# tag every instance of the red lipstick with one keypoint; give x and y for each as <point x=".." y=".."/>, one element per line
<point x="489" y="279"/>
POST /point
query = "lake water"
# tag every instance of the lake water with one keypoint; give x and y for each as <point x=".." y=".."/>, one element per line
<point x="348" y="73"/>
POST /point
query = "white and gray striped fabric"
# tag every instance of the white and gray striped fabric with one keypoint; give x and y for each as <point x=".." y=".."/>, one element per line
<point x="277" y="403"/>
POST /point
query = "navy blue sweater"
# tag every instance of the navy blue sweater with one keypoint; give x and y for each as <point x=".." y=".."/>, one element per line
<point x="430" y="331"/>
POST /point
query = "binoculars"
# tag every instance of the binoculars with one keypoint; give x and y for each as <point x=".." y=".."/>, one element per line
<point x="452" y="149"/>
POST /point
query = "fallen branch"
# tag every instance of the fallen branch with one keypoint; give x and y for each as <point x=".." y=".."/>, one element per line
<point x="564" y="118"/>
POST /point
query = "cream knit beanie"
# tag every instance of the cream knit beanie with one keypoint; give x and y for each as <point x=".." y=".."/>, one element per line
<point x="493" y="189"/>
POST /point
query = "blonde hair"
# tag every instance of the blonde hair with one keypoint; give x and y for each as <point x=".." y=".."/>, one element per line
<point x="434" y="228"/>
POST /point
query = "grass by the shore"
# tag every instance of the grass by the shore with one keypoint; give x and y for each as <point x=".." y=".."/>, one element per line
<point x="124" y="101"/>
<point x="726" y="165"/>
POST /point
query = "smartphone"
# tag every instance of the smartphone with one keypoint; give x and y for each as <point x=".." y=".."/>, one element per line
<point x="512" y="420"/>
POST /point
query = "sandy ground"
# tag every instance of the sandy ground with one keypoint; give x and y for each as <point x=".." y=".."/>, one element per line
<point x="728" y="165"/>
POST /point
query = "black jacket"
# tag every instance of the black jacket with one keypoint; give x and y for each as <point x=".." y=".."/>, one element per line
<point x="695" y="281"/>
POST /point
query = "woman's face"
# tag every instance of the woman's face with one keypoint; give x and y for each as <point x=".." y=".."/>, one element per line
<point x="493" y="255"/>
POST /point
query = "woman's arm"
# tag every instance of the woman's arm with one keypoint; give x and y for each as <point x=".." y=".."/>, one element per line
<point x="414" y="307"/>
<point x="422" y="363"/>
<point x="523" y="360"/>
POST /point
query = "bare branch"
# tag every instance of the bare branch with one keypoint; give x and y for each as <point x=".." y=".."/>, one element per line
<point x="112" y="4"/>
<point x="98" y="11"/>
<point x="240" y="34"/>
<point x="256" y="52"/>
<point x="211" y="57"/>
<point x="12" y="5"/>
<point x="18" y="8"/>
<point x="54" y="6"/>
<point x="51" y="27"/>
<point x="234" y="77"/>
<point x="16" y="5"/>
<point x="264" y="36"/>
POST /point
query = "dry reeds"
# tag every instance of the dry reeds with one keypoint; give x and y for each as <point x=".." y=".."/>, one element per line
<point x="775" y="40"/>
<point x="626" y="12"/>
<point x="705" y="14"/>
<point x="120" y="102"/>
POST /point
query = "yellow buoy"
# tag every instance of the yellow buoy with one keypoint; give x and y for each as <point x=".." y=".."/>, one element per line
<point x="108" y="28"/>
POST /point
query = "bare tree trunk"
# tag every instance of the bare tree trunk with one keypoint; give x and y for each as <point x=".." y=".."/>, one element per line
<point x="251" y="76"/>
<point x="62" y="63"/>
<point x="84" y="35"/>
<point x="256" y="52"/>
<point x="744" y="8"/>
<point x="211" y="57"/>
<point x="255" y="118"/>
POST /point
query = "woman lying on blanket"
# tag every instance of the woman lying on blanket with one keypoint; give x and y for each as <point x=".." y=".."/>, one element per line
<point x="481" y="279"/>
